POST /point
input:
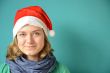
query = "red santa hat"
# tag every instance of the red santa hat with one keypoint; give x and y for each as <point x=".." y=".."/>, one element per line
<point x="33" y="15"/>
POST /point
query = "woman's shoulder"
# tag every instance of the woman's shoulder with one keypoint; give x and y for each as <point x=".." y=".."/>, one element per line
<point x="4" y="68"/>
<point x="61" y="68"/>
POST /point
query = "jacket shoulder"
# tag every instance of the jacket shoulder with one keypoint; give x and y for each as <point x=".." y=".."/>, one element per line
<point x="4" y="68"/>
<point x="61" y="68"/>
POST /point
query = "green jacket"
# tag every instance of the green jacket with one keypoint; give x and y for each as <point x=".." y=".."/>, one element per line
<point x="4" y="68"/>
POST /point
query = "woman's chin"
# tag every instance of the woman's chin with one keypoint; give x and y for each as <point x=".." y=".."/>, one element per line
<point x="30" y="53"/>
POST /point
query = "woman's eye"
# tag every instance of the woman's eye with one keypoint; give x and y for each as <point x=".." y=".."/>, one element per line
<point x="22" y="34"/>
<point x="36" y="33"/>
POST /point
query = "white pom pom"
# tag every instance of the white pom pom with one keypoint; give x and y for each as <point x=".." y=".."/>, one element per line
<point x="52" y="33"/>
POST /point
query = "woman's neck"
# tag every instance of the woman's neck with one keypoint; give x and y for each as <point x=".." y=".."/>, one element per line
<point x="33" y="58"/>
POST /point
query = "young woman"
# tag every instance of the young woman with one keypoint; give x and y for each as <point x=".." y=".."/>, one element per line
<point x="30" y="50"/>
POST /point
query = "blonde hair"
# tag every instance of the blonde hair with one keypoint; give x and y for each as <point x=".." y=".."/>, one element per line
<point x="13" y="51"/>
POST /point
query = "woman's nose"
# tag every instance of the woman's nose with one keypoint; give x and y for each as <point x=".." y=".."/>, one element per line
<point x="29" y="39"/>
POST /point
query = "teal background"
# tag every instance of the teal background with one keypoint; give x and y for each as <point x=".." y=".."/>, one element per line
<point x="82" y="40"/>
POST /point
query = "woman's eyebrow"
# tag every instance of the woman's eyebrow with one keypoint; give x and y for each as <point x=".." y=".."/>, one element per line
<point x="37" y="30"/>
<point x="21" y="32"/>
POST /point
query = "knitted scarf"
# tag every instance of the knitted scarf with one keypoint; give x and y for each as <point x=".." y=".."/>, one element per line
<point x="22" y="65"/>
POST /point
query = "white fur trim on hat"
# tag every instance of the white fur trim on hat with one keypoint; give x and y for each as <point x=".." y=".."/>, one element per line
<point x="52" y="33"/>
<point x="31" y="20"/>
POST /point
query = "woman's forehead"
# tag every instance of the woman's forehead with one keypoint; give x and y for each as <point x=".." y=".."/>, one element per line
<point x="30" y="28"/>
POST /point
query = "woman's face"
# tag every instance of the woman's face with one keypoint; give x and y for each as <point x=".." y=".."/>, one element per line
<point x="30" y="40"/>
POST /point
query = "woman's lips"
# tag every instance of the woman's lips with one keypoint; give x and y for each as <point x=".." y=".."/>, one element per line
<point x="30" y="47"/>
